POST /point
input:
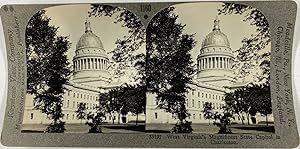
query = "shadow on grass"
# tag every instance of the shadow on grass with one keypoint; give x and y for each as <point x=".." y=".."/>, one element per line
<point x="32" y="131"/>
<point x="140" y="128"/>
<point x="157" y="131"/>
<point x="257" y="128"/>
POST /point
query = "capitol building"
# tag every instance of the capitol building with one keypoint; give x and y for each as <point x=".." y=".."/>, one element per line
<point x="90" y="78"/>
<point x="213" y="79"/>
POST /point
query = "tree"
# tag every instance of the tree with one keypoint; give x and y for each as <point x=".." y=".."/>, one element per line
<point x="221" y="120"/>
<point x="81" y="111"/>
<point x="124" y="99"/>
<point x="47" y="68"/>
<point x="238" y="103"/>
<point x="252" y="54"/>
<point x="251" y="99"/>
<point x="260" y="100"/>
<point x="135" y="100"/>
<point x="168" y="63"/>
<point x="95" y="121"/>
<point x="125" y="55"/>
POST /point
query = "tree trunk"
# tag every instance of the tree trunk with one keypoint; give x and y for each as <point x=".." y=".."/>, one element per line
<point x="241" y="118"/>
<point x="267" y="119"/>
<point x="119" y="118"/>
<point x="248" y="118"/>
<point x="113" y="118"/>
<point x="137" y="118"/>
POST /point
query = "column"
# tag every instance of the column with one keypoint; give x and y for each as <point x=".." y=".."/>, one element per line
<point x="200" y="64"/>
<point x="209" y="62"/>
<point x="74" y="66"/>
<point x="96" y="63"/>
<point x="213" y="62"/>
<point x="223" y="62"/>
<point x="84" y="61"/>
<point x="227" y="63"/>
<point x="217" y="62"/>
<point x="220" y="64"/>
<point x="99" y="64"/>
<point x="78" y="61"/>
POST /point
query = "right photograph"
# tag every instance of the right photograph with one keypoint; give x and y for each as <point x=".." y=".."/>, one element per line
<point x="208" y="70"/>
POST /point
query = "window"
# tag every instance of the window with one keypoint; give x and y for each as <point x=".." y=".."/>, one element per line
<point x="80" y="95"/>
<point x="192" y="92"/>
<point x="213" y="96"/>
<point x="156" y="102"/>
<point x="200" y="116"/>
<point x="67" y="116"/>
<point x="198" y="94"/>
<point x="68" y="102"/>
<point x="155" y="115"/>
<point x="202" y="94"/>
<point x="33" y="103"/>
<point x="68" y="93"/>
<point x="209" y="96"/>
<point x="31" y="115"/>
<point x="187" y="103"/>
<point x="193" y="103"/>
<point x="74" y="95"/>
<point x="205" y="95"/>
<point x="84" y="96"/>
<point x="73" y="104"/>
<point x="199" y="104"/>
<point x="73" y="116"/>
<point x="194" y="116"/>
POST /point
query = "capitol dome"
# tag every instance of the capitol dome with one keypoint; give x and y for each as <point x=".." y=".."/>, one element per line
<point x="89" y="40"/>
<point x="90" y="60"/>
<point x="215" y="59"/>
<point x="216" y="38"/>
<point x="89" y="43"/>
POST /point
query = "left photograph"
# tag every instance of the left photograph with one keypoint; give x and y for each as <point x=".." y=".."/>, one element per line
<point x="85" y="71"/>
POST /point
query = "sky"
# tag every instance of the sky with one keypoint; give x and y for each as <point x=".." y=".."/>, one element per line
<point x="198" y="18"/>
<point x="71" y="22"/>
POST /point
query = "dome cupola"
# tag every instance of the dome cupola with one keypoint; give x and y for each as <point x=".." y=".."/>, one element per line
<point x="216" y="37"/>
<point x="89" y="39"/>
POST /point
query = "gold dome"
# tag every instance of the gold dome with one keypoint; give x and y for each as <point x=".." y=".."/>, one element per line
<point x="216" y="38"/>
<point x="89" y="39"/>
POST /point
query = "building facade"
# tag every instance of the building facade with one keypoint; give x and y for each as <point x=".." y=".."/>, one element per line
<point x="90" y="78"/>
<point x="213" y="79"/>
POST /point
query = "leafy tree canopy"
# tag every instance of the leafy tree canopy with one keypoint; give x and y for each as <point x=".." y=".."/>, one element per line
<point x="47" y="67"/>
<point x="252" y="54"/>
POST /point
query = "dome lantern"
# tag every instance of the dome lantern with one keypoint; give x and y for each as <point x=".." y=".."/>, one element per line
<point x="88" y="26"/>
<point x="216" y="24"/>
